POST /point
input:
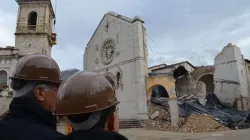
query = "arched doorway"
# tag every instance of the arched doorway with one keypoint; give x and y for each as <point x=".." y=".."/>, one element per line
<point x="208" y="80"/>
<point x="3" y="79"/>
<point x="182" y="81"/>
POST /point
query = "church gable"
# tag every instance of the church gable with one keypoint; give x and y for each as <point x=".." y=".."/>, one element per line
<point x="115" y="41"/>
<point x="108" y="20"/>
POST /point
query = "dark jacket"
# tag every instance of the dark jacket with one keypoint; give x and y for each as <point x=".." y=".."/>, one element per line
<point x="94" y="135"/>
<point x="26" y="120"/>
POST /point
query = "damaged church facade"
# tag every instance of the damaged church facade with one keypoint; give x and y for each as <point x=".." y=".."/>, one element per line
<point x="118" y="50"/>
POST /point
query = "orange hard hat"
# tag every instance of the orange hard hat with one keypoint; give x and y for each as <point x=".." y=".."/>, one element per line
<point x="84" y="92"/>
<point x="37" y="67"/>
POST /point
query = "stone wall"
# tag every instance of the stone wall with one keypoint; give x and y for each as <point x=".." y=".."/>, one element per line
<point x="247" y="68"/>
<point x="39" y="44"/>
<point x="230" y="78"/>
<point x="183" y="85"/>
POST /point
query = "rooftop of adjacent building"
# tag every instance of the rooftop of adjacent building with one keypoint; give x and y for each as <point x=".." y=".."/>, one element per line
<point x="8" y="50"/>
<point x="247" y="61"/>
<point x="163" y="66"/>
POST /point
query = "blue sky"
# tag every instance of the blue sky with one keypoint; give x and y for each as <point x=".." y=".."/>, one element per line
<point x="178" y="30"/>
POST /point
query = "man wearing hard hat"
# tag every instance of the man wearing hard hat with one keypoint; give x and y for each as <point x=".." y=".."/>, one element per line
<point x="35" y="81"/>
<point x="89" y="102"/>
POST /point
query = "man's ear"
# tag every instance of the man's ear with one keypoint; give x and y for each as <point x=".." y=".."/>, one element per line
<point x="38" y="92"/>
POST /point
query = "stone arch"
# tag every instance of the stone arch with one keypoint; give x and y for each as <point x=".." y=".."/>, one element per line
<point x="32" y="20"/>
<point x="111" y="78"/>
<point x="3" y="79"/>
<point x="208" y="80"/>
<point x="159" y="90"/>
<point x="166" y="81"/>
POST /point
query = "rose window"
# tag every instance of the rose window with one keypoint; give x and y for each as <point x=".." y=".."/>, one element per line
<point x="108" y="51"/>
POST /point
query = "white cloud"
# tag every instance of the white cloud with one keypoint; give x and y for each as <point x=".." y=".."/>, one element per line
<point x="244" y="44"/>
<point x="190" y="32"/>
<point x="7" y="20"/>
<point x="201" y="48"/>
<point x="69" y="57"/>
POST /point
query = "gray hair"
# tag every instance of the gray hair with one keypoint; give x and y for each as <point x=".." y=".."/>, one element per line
<point x="28" y="88"/>
<point x="43" y="86"/>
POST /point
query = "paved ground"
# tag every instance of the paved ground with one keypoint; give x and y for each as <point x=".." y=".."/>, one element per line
<point x="142" y="134"/>
<point x="136" y="134"/>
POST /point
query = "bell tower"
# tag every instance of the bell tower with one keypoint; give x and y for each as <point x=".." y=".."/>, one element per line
<point x="34" y="27"/>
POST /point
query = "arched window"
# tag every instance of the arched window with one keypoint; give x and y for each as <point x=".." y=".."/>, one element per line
<point x="32" y="20"/>
<point x="118" y="78"/>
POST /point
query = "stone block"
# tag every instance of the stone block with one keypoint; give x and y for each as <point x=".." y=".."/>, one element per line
<point x="154" y="115"/>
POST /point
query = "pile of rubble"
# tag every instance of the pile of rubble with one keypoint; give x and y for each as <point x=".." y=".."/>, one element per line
<point x="157" y="112"/>
<point x="160" y="120"/>
<point x="202" y="123"/>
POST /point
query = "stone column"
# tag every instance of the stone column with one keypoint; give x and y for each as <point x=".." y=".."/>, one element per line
<point x="201" y="92"/>
<point x="174" y="111"/>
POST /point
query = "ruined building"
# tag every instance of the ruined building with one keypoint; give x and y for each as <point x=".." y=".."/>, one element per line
<point x="231" y="77"/>
<point x="228" y="78"/>
<point x="180" y="72"/>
